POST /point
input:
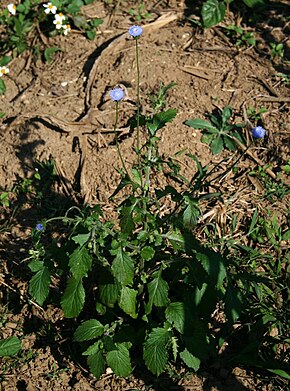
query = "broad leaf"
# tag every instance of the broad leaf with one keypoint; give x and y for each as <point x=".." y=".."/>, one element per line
<point x="81" y="239"/>
<point x="202" y="124"/>
<point x="90" y="329"/>
<point x="155" y="353"/>
<point x="190" y="360"/>
<point x="73" y="299"/>
<point x="212" y="12"/>
<point x="253" y="3"/>
<point x="123" y="267"/>
<point x="147" y="253"/>
<point x="80" y="262"/>
<point x="160" y="119"/>
<point x="108" y="294"/>
<point x="119" y="360"/>
<point x="127" y="301"/>
<point x="191" y="213"/>
<point x="39" y="285"/>
<point x="158" y="293"/>
<point x="126" y="219"/>
<point x="96" y="363"/>
<point x="9" y="346"/>
<point x="175" y="314"/>
<point x="217" y="145"/>
<point x="213" y="264"/>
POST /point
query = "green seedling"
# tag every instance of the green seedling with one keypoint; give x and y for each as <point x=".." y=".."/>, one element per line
<point x="240" y="36"/>
<point x="218" y="132"/>
<point x="158" y="101"/>
<point x="286" y="168"/>
<point x="277" y="50"/>
<point x="139" y="12"/>
<point x="254" y="115"/>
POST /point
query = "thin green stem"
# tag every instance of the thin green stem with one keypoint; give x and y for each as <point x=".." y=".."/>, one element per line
<point x="138" y="101"/>
<point x="117" y="141"/>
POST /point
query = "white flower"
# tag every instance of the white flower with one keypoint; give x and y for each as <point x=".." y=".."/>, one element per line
<point x="59" y="17"/>
<point x="50" y="8"/>
<point x="66" y="28"/>
<point x="58" y="24"/>
<point x="3" y="71"/>
<point x="12" y="8"/>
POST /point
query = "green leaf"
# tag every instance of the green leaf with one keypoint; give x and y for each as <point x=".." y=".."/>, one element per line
<point x="160" y="119"/>
<point x="123" y="267"/>
<point x="155" y="353"/>
<point x="80" y="262"/>
<point x="191" y="213"/>
<point x="176" y="239"/>
<point x="212" y="12"/>
<point x="96" y="22"/>
<point x="174" y="344"/>
<point x="230" y="143"/>
<point x="217" y="145"/>
<point x="109" y="294"/>
<point x="5" y="60"/>
<point x="214" y="264"/>
<point x="158" y="293"/>
<point x="35" y="266"/>
<point x="39" y="285"/>
<point x="90" y="329"/>
<point x="126" y="219"/>
<point x="73" y="299"/>
<point x="127" y="301"/>
<point x="81" y="239"/>
<point x="175" y="314"/>
<point x="9" y="346"/>
<point x="2" y="87"/>
<point x="253" y="3"/>
<point x="202" y="124"/>
<point x="280" y="372"/>
<point x="91" y="34"/>
<point x="147" y="253"/>
<point x="286" y="235"/>
<point x="233" y="303"/>
<point x="97" y="363"/>
<point x="49" y="52"/>
<point x="119" y="360"/>
<point x="190" y="360"/>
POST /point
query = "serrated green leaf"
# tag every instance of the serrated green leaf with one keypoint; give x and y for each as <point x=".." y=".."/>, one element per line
<point x="147" y="253"/>
<point x="160" y="119"/>
<point x="35" y="266"/>
<point x="158" y="293"/>
<point x="213" y="264"/>
<point x="191" y="213"/>
<point x="123" y="267"/>
<point x="217" y="145"/>
<point x="90" y="329"/>
<point x="39" y="285"/>
<point x="93" y="348"/>
<point x="230" y="144"/>
<point x="175" y="314"/>
<point x="127" y="301"/>
<point x="119" y="360"/>
<point x="190" y="360"/>
<point x="202" y="124"/>
<point x="126" y="219"/>
<point x="233" y="303"/>
<point x="109" y="292"/>
<point x="212" y="12"/>
<point x="9" y="346"/>
<point x="155" y="353"/>
<point x="81" y="239"/>
<point x="176" y="239"/>
<point x="96" y="363"/>
<point x="174" y="344"/>
<point x="73" y="299"/>
<point x="80" y="262"/>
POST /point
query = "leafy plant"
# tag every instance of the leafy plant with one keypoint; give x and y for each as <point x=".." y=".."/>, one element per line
<point x="139" y="12"/>
<point x="9" y="346"/>
<point x="218" y="132"/>
<point x="240" y="36"/>
<point x="254" y="114"/>
<point x="277" y="50"/>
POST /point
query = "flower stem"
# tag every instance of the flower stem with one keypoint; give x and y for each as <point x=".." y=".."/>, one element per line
<point x="116" y="138"/>
<point x="138" y="101"/>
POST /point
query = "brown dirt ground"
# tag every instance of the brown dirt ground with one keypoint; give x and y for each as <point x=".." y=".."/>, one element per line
<point x="50" y="107"/>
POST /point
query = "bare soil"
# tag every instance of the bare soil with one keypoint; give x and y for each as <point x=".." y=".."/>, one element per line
<point x="62" y="111"/>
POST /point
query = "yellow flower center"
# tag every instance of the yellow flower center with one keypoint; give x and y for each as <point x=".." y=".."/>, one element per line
<point x="50" y="6"/>
<point x="3" y="71"/>
<point x="14" y="7"/>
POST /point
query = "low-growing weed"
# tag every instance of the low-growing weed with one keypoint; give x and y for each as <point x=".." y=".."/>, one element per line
<point x="240" y="37"/>
<point x="218" y="132"/>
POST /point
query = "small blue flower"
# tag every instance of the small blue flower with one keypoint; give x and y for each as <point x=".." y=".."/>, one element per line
<point x="135" y="31"/>
<point x="117" y="94"/>
<point x="258" y="132"/>
<point x="39" y="227"/>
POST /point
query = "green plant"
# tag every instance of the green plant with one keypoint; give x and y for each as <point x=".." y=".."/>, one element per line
<point x="254" y="114"/>
<point x="286" y="168"/>
<point x="240" y="36"/>
<point x="144" y="285"/>
<point x="218" y="132"/>
<point x="9" y="346"/>
<point x="139" y="12"/>
<point x="213" y="11"/>
<point x="277" y="50"/>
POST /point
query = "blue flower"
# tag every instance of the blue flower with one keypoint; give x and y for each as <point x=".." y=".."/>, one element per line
<point x="135" y="31"/>
<point x="258" y="132"/>
<point x="117" y="94"/>
<point x="39" y="227"/>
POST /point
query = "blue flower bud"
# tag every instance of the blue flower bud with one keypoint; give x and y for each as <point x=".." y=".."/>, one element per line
<point x="39" y="227"/>
<point x="117" y="94"/>
<point x="135" y="31"/>
<point x="258" y="132"/>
